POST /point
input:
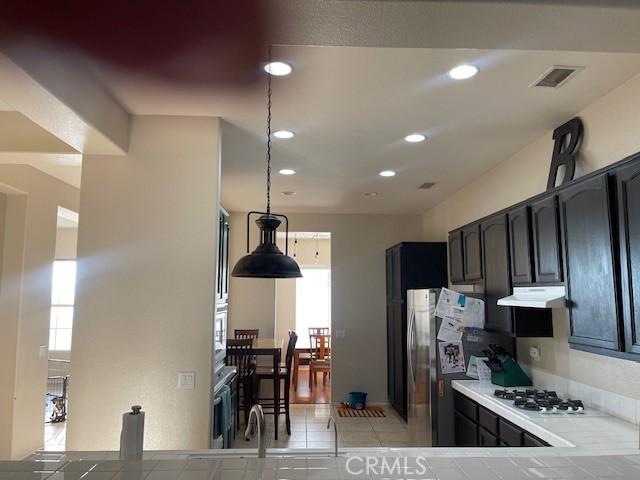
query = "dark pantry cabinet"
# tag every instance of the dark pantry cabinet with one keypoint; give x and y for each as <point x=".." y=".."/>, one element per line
<point x="589" y="264"/>
<point x="628" y="187"/>
<point x="410" y="265"/>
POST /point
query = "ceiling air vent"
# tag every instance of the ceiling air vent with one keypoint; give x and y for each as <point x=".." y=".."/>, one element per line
<point x="556" y="76"/>
<point x="426" y="185"/>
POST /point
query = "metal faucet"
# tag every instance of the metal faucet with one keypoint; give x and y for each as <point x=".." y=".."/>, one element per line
<point x="257" y="415"/>
<point x="335" y="434"/>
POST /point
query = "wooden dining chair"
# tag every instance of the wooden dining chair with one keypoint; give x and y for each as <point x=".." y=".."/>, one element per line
<point x="320" y="349"/>
<point x="303" y="357"/>
<point x="239" y="354"/>
<point x="251" y="333"/>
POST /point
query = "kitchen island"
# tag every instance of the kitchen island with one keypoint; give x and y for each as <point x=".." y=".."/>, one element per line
<point x="366" y="463"/>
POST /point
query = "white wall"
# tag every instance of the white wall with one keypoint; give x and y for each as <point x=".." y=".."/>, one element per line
<point x="611" y="133"/>
<point x="286" y="288"/>
<point x="147" y="248"/>
<point x="32" y="200"/>
<point x="358" y="303"/>
<point x="3" y="209"/>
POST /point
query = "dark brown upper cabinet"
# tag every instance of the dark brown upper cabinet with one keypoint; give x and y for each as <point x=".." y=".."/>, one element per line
<point x="590" y="264"/>
<point x="547" y="264"/>
<point x="471" y="257"/>
<point x="497" y="281"/>
<point x="520" y="245"/>
<point x="456" y="272"/>
<point x="222" y="275"/>
<point x="628" y="187"/>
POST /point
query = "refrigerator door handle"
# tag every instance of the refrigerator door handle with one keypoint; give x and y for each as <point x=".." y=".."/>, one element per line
<point x="411" y="349"/>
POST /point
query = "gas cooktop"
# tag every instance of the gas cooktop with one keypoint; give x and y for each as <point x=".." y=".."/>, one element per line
<point x="541" y="402"/>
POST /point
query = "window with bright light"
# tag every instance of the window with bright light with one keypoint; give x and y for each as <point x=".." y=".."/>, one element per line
<point x="63" y="288"/>
<point x="313" y="302"/>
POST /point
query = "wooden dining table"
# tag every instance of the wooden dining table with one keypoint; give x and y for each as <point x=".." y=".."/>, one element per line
<point x="272" y="348"/>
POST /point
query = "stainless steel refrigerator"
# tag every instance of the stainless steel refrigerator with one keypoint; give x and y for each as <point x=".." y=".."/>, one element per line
<point x="430" y="414"/>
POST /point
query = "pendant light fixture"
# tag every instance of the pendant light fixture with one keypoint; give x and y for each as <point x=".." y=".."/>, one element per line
<point x="267" y="260"/>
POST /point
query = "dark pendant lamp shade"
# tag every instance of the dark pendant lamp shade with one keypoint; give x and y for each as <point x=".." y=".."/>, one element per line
<point x="267" y="260"/>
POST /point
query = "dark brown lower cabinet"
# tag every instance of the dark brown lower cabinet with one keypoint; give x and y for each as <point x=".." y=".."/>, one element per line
<point x="510" y="433"/>
<point x="466" y="431"/>
<point x="487" y="429"/>
<point x="531" y="441"/>
<point x="486" y="439"/>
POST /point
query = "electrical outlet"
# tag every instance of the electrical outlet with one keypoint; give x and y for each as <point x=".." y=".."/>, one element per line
<point x="341" y="333"/>
<point x="186" y="380"/>
<point x="535" y="353"/>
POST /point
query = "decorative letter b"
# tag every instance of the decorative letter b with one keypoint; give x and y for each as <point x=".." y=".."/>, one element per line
<point x="565" y="156"/>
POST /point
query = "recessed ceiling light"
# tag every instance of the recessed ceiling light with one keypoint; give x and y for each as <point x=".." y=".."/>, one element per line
<point x="288" y="193"/>
<point x="371" y="194"/>
<point x="415" y="138"/>
<point x="462" y="72"/>
<point x="387" y="173"/>
<point x="287" y="171"/>
<point x="279" y="69"/>
<point x="283" y="134"/>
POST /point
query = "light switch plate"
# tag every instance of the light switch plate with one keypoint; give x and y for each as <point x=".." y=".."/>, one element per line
<point x="186" y="380"/>
<point x="341" y="333"/>
<point x="42" y="351"/>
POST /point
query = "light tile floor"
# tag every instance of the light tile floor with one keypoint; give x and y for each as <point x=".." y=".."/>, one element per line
<point x="309" y="430"/>
<point x="55" y="436"/>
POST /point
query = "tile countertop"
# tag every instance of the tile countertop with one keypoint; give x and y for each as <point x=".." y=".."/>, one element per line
<point x="590" y="432"/>
<point x="435" y="463"/>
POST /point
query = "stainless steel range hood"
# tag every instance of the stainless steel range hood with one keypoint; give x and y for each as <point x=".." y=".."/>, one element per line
<point x="535" y="297"/>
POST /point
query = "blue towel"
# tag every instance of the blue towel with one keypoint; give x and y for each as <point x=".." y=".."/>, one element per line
<point x="227" y="414"/>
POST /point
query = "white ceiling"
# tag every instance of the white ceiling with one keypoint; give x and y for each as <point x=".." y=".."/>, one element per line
<point x="23" y="141"/>
<point x="351" y="107"/>
<point x="19" y="134"/>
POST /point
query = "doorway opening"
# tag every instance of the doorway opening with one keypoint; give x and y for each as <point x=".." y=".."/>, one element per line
<point x="63" y="285"/>
<point x="304" y="305"/>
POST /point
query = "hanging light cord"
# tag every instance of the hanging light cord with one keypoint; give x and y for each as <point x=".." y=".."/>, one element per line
<point x="269" y="137"/>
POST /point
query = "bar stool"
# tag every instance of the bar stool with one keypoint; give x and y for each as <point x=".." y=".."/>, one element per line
<point x="268" y="404"/>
